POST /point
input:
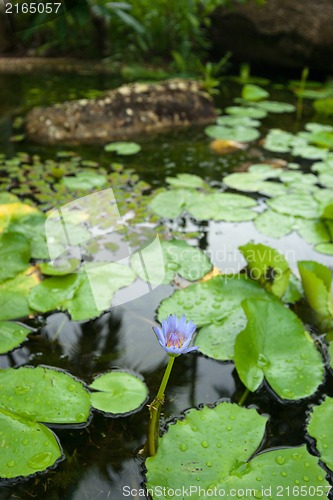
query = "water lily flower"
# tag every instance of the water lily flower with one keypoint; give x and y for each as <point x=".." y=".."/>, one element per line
<point x="175" y="335"/>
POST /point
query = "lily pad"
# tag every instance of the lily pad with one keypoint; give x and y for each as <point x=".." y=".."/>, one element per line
<point x="312" y="231"/>
<point x="14" y="255"/>
<point x="273" y="224"/>
<point x="252" y="92"/>
<point x="276" y="106"/>
<point x="326" y="248"/>
<point x="213" y="449"/>
<point x="221" y="206"/>
<point x="29" y="447"/>
<point x="239" y="134"/>
<point x="211" y="301"/>
<point x="123" y="148"/>
<point x="169" y="204"/>
<point x="298" y="204"/>
<point x="317" y="281"/>
<point x="44" y="394"/>
<point x="118" y="393"/>
<point x="267" y="266"/>
<point x="237" y="121"/>
<point x="320" y="428"/>
<point x="14" y="294"/>
<point x="278" y="141"/>
<point x="186" y="181"/>
<point x="85" y="181"/>
<point x="251" y="112"/>
<point x="274" y="345"/>
<point x="178" y="258"/>
<point x="12" y="335"/>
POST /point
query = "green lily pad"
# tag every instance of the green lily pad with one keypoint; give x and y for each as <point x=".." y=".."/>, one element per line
<point x="273" y="224"/>
<point x="14" y="255"/>
<point x="252" y="92"/>
<point x="294" y="291"/>
<point x="178" y="258"/>
<point x="169" y="204"/>
<point x="320" y="428"/>
<point x="118" y="393"/>
<point x="278" y="141"/>
<point x="67" y="266"/>
<point x="85" y="181"/>
<point x="248" y="111"/>
<point x="312" y="231"/>
<point x="44" y="394"/>
<point x="237" y="121"/>
<point x="324" y="106"/>
<point x="243" y="181"/>
<point x="276" y="346"/>
<point x="214" y="447"/>
<point x="221" y="206"/>
<point x="267" y="266"/>
<point x="29" y="447"/>
<point x="186" y="181"/>
<point x="123" y="148"/>
<point x="326" y="248"/>
<point x="217" y="340"/>
<point x="14" y="295"/>
<point x="309" y="152"/>
<point x="32" y="227"/>
<point x="211" y="301"/>
<point x="298" y="204"/>
<point x="276" y="106"/>
<point x="239" y="134"/>
<point x="12" y="335"/>
<point x="51" y="293"/>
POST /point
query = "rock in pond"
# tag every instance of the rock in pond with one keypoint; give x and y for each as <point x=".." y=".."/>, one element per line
<point x="118" y="114"/>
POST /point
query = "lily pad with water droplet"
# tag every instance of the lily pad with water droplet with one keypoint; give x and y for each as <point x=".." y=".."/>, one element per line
<point x="12" y="335"/>
<point x="118" y="393"/>
<point x="211" y="301"/>
<point x="275" y="346"/>
<point x="320" y="428"/>
<point x="214" y="447"/>
<point x="28" y="447"/>
<point x="44" y="394"/>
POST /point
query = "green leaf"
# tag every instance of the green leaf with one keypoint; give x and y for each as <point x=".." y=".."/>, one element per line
<point x="12" y="335"/>
<point x="119" y="393"/>
<point x="123" y="148"/>
<point x="252" y="92"/>
<point x="276" y="106"/>
<point x="217" y="340"/>
<point x="326" y="248"/>
<point x="85" y="181"/>
<point x="323" y="139"/>
<point x="178" y="258"/>
<point x="312" y="231"/>
<point x="169" y="204"/>
<point x="32" y="227"/>
<point x="14" y="295"/>
<point x="298" y="204"/>
<point x="239" y="134"/>
<point x="51" y="293"/>
<point x="237" y="121"/>
<point x="186" y="181"/>
<point x="211" y="301"/>
<point x="44" y="394"/>
<point x="28" y="447"/>
<point x="316" y="281"/>
<point x="267" y="266"/>
<point x="273" y="224"/>
<point x="66" y="266"/>
<point x="221" y="206"/>
<point x="294" y="291"/>
<point x="246" y="111"/>
<point x="213" y="448"/>
<point x="276" y="346"/>
<point x="278" y="141"/>
<point x="14" y="255"/>
<point x="324" y="106"/>
<point x="320" y="428"/>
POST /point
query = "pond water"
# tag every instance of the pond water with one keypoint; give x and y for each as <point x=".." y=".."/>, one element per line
<point x="101" y="458"/>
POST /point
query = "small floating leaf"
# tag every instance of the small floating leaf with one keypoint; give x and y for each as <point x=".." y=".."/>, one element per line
<point x="298" y="204"/>
<point x="239" y="134"/>
<point x="252" y="92"/>
<point x="273" y="224"/>
<point x="14" y="255"/>
<point x="12" y="335"/>
<point x="119" y="392"/>
<point x="276" y="106"/>
<point x="186" y="181"/>
<point x="123" y="148"/>
<point x="85" y="181"/>
<point x="246" y="111"/>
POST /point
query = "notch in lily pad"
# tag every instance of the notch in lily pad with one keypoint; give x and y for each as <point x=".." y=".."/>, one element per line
<point x="118" y="393"/>
<point x="123" y="148"/>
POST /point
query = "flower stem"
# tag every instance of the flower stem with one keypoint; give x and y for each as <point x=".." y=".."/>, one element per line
<point x="155" y="410"/>
<point x="243" y="397"/>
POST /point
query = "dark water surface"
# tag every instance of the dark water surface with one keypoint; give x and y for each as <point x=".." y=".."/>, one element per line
<point x="101" y="458"/>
